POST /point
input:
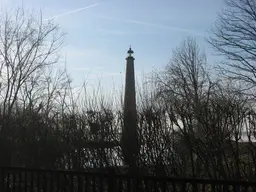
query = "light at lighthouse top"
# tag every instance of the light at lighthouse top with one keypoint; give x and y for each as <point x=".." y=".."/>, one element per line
<point x="130" y="52"/>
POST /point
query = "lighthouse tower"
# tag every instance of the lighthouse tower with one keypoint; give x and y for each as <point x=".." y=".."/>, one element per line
<point x="129" y="141"/>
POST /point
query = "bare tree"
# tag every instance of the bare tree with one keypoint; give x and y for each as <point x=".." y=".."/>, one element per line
<point x="185" y="78"/>
<point x="234" y="37"/>
<point x="181" y="88"/>
<point x="27" y="45"/>
<point x="206" y="116"/>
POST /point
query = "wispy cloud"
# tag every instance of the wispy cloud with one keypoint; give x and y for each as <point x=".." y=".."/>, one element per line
<point x="73" y="11"/>
<point x="113" y="32"/>
<point x="87" y="68"/>
<point x="124" y="32"/>
<point x="156" y="25"/>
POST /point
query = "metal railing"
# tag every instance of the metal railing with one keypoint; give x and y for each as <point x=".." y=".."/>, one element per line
<point x="36" y="180"/>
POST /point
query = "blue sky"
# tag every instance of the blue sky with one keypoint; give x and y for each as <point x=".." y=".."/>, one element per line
<point x="98" y="36"/>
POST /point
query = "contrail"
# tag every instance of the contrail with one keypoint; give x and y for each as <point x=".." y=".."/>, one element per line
<point x="74" y="11"/>
<point x="163" y="26"/>
<point x="155" y="25"/>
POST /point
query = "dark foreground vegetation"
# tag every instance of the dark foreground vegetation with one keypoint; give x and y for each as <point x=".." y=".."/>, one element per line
<point x="191" y="118"/>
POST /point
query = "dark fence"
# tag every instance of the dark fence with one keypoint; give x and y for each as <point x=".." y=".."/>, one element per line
<point x="35" y="180"/>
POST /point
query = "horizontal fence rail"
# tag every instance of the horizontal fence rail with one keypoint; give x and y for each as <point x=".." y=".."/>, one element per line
<point x="36" y="180"/>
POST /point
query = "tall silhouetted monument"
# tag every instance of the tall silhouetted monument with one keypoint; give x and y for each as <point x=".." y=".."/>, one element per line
<point x="129" y="141"/>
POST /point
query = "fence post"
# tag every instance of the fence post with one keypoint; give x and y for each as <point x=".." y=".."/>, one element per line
<point x="111" y="180"/>
<point x="1" y="178"/>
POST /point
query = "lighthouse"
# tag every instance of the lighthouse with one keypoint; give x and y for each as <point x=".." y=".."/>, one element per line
<point x="129" y="140"/>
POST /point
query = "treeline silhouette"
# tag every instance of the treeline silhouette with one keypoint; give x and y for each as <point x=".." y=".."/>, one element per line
<point x="191" y="119"/>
